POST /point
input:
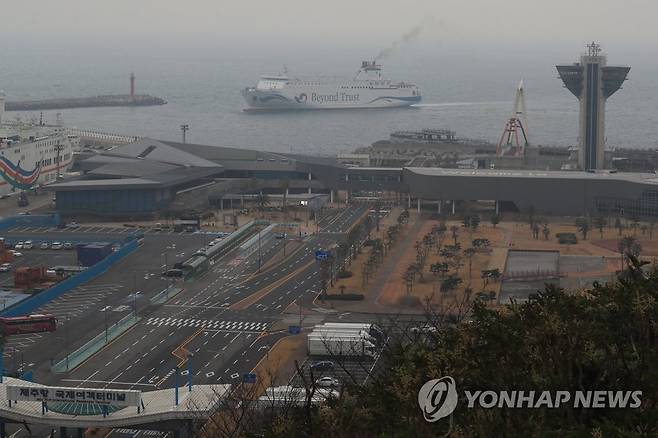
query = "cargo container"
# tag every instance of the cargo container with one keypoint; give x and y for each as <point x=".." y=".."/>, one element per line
<point x="34" y="278"/>
<point x="89" y="255"/>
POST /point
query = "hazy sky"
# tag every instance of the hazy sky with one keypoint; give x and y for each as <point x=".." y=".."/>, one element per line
<point x="267" y="21"/>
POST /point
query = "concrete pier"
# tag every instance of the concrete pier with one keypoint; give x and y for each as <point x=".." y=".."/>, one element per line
<point x="85" y="102"/>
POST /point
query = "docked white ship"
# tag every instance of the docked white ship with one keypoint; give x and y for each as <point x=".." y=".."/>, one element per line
<point x="368" y="89"/>
<point x="32" y="155"/>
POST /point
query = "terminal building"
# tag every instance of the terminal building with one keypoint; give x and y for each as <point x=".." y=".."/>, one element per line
<point x="149" y="177"/>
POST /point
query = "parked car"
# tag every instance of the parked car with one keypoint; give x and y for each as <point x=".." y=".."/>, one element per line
<point x="427" y="328"/>
<point x="68" y="245"/>
<point x="16" y="253"/>
<point x="28" y="244"/>
<point x="157" y="227"/>
<point x="327" y="382"/>
<point x="19" y="245"/>
<point x="323" y="365"/>
<point x="44" y="245"/>
<point x="73" y="224"/>
<point x="5" y="267"/>
<point x="56" y="245"/>
<point x="175" y="273"/>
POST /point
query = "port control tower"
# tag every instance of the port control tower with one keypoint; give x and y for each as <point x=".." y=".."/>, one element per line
<point x="592" y="82"/>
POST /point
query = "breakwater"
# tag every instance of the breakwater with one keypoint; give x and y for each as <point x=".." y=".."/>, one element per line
<point x="85" y="102"/>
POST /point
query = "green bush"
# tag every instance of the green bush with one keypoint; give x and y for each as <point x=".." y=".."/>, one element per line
<point x="345" y="297"/>
<point x="566" y="238"/>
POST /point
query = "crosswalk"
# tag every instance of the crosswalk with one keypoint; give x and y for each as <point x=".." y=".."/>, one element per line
<point x="243" y="326"/>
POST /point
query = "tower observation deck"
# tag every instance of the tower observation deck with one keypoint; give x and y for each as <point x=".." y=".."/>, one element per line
<point x="592" y="82"/>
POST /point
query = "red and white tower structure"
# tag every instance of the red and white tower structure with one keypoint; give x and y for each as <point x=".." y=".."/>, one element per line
<point x="511" y="143"/>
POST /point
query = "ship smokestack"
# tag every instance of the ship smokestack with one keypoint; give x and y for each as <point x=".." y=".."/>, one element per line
<point x="132" y="85"/>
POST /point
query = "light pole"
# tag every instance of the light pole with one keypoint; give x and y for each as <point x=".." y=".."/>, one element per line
<point x="184" y="128"/>
<point x="135" y="293"/>
<point x="189" y="371"/>
<point x="106" y="310"/>
<point x="169" y="279"/>
<point x="66" y="340"/>
<point x="259" y="253"/>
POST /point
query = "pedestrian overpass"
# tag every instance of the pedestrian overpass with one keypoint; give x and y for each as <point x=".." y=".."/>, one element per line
<point x="178" y="410"/>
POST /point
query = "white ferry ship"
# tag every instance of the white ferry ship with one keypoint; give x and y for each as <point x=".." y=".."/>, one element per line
<point x="367" y="90"/>
<point x="33" y="155"/>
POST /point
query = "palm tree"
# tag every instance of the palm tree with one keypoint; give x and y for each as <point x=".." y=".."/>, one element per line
<point x="628" y="245"/>
<point x="495" y="220"/>
<point x="454" y="230"/>
<point x="651" y="225"/>
<point x="262" y="200"/>
<point x="475" y="222"/>
<point x="635" y="222"/>
<point x="469" y="253"/>
<point x="583" y="226"/>
<point x="285" y="184"/>
<point x="618" y="225"/>
<point x="546" y="231"/>
<point x="599" y="222"/>
<point x="531" y="211"/>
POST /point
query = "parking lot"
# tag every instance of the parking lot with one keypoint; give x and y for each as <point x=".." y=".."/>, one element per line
<point x="347" y="370"/>
<point x="69" y="306"/>
<point x="99" y="229"/>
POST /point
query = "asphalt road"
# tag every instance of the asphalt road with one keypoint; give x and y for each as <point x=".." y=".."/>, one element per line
<point x="221" y="322"/>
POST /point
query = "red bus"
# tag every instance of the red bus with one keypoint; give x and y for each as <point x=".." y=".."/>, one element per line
<point x="18" y="325"/>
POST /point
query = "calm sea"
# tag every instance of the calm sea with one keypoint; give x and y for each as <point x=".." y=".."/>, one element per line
<point x="469" y="90"/>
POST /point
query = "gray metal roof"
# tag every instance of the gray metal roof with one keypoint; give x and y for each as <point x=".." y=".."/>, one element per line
<point x="220" y="153"/>
<point x="154" y="150"/>
<point x="239" y="159"/>
<point x="641" y="178"/>
<point x="98" y="184"/>
<point x="160" y="180"/>
<point x="133" y="168"/>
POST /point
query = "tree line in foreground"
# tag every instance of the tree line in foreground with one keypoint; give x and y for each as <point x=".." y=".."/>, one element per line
<point x="601" y="339"/>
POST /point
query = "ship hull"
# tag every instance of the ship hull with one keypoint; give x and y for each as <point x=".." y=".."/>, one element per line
<point x="314" y="100"/>
<point x="28" y="165"/>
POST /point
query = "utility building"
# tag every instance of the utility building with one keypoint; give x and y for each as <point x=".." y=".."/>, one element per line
<point x="592" y="82"/>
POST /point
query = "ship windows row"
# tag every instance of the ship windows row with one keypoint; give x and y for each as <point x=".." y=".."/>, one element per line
<point x="50" y="161"/>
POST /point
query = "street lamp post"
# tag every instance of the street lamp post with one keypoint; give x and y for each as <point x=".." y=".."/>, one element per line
<point x="66" y="340"/>
<point x="106" y="310"/>
<point x="135" y="293"/>
<point x="259" y="253"/>
<point x="169" y="280"/>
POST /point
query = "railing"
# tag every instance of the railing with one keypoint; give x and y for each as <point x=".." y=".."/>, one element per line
<point x="34" y="302"/>
<point x="103" y="136"/>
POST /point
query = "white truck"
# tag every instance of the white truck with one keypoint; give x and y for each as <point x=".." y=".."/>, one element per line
<point x="288" y="395"/>
<point x="371" y="329"/>
<point x="331" y="331"/>
<point x="340" y="344"/>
